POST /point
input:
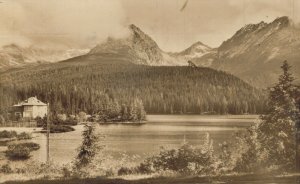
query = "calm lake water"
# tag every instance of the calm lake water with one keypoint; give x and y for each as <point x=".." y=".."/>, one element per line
<point x="144" y="140"/>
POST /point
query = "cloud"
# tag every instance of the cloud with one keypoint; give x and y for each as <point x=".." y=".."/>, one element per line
<point x="83" y="23"/>
<point x="65" y="22"/>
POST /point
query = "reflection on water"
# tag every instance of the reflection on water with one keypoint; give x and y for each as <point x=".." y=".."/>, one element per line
<point x="160" y="130"/>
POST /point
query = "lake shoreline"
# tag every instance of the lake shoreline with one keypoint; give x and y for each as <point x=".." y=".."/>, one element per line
<point x="293" y="178"/>
<point x="142" y="140"/>
<point x="122" y="123"/>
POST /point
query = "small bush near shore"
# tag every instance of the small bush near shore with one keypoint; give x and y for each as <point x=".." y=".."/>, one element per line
<point x="71" y="121"/>
<point x="60" y="119"/>
<point x="23" y="136"/>
<point x="60" y="128"/>
<point x="127" y="171"/>
<point x="19" y="151"/>
<point x="13" y="134"/>
<point x="187" y="160"/>
<point x="31" y="145"/>
<point x="6" y="169"/>
<point x="7" y="134"/>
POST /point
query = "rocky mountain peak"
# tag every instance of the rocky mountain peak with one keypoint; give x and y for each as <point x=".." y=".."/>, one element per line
<point x="139" y="46"/>
<point x="142" y="39"/>
<point x="257" y="50"/>
<point x="249" y="28"/>
<point x="282" y="21"/>
<point x="200" y="44"/>
<point x="134" y="28"/>
<point x="197" y="49"/>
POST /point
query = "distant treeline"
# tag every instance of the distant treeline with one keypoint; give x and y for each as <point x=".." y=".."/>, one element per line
<point x="72" y="88"/>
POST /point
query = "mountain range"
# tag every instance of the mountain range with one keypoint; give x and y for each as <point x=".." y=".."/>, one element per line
<point x="254" y="53"/>
<point x="14" y="55"/>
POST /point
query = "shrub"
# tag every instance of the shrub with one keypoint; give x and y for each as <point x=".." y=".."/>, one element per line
<point x="186" y="159"/>
<point x="82" y="116"/>
<point x="31" y="145"/>
<point x="72" y="121"/>
<point x="23" y="136"/>
<point x="6" y="169"/>
<point x="62" y="117"/>
<point x="18" y="152"/>
<point x="8" y="134"/>
<point x="227" y="158"/>
<point x="93" y="118"/>
<point x="41" y="122"/>
<point x="60" y="128"/>
<point x="14" y="135"/>
<point x="55" y="120"/>
<point x="145" y="168"/>
<point x="67" y="172"/>
<point x="126" y="171"/>
<point x="21" y="150"/>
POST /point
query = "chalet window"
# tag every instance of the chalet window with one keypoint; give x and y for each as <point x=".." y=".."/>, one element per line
<point x="28" y="108"/>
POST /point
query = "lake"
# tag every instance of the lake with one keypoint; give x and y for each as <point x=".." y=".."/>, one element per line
<point x="144" y="140"/>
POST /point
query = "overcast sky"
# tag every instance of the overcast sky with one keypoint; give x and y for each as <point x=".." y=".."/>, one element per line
<point x="85" y="22"/>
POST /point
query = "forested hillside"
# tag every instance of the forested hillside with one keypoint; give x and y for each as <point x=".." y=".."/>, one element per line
<point x="79" y="84"/>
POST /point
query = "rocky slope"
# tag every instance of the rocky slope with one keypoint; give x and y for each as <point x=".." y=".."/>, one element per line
<point x="256" y="51"/>
<point x="140" y="47"/>
<point x="144" y="50"/>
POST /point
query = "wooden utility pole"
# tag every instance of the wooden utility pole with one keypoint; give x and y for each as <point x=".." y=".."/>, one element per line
<point x="48" y="133"/>
<point x="298" y="143"/>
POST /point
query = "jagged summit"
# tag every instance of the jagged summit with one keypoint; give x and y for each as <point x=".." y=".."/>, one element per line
<point x="279" y="22"/>
<point x="134" y="28"/>
<point x="256" y="51"/>
<point x="284" y="21"/>
<point x="138" y="46"/>
<point x="251" y="27"/>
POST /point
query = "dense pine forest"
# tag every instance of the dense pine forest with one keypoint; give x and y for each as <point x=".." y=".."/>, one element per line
<point x="83" y="84"/>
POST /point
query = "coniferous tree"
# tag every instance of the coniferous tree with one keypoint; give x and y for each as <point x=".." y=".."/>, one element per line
<point x="88" y="148"/>
<point x="140" y="111"/>
<point x="277" y="129"/>
<point x="157" y="87"/>
<point x="124" y="112"/>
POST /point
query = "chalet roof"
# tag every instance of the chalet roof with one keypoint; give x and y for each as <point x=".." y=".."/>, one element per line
<point x="32" y="101"/>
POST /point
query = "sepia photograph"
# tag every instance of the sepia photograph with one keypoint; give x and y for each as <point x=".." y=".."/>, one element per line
<point x="149" y="91"/>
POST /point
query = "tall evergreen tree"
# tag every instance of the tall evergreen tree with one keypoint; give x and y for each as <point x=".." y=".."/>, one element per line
<point x="140" y="111"/>
<point x="277" y="129"/>
<point x="89" y="147"/>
